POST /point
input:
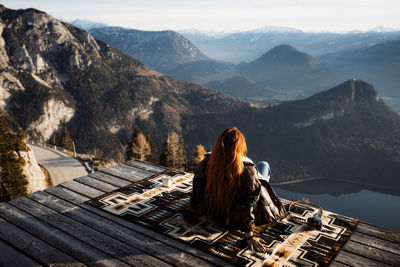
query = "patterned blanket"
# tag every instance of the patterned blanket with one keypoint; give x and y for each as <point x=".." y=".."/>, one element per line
<point x="151" y="204"/>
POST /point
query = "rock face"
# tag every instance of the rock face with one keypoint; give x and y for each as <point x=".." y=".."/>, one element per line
<point x="36" y="178"/>
<point x="160" y="50"/>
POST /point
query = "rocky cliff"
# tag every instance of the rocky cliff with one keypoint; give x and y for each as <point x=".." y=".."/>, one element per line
<point x="35" y="176"/>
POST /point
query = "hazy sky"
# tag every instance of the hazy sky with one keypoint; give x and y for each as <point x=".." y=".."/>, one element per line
<point x="225" y="15"/>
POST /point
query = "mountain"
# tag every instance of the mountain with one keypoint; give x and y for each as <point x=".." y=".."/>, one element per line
<point x="54" y="74"/>
<point x="284" y="68"/>
<point x="203" y="71"/>
<point x="160" y="50"/>
<point x="346" y="132"/>
<point x="248" y="45"/>
<point x="378" y="64"/>
<point x="241" y="87"/>
<point x="85" y="24"/>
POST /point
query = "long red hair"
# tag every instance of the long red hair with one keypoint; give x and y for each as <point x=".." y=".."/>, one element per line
<point x="223" y="172"/>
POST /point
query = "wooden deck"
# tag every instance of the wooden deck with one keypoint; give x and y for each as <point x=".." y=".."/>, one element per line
<point x="55" y="227"/>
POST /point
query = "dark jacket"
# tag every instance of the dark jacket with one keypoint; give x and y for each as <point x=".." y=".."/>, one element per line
<point x="254" y="204"/>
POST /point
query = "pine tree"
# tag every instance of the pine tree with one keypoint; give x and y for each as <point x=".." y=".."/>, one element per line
<point x="153" y="158"/>
<point x="198" y="154"/>
<point x="173" y="153"/>
<point x="21" y="141"/>
<point x="13" y="182"/>
<point x="138" y="148"/>
<point x="182" y="162"/>
<point x="66" y="140"/>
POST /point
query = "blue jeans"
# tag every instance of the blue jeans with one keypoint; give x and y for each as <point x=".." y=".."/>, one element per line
<point x="264" y="169"/>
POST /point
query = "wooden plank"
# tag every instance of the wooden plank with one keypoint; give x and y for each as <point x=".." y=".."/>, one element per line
<point x="105" y="243"/>
<point x="134" y="170"/>
<point x="78" y="198"/>
<point x="379" y="232"/>
<point x="122" y="174"/>
<point x="33" y="247"/>
<point x="376" y="242"/>
<point x="338" y="264"/>
<point x="372" y="253"/>
<point x="71" y="246"/>
<point x="351" y="259"/>
<point x="146" y="166"/>
<point x="90" y="181"/>
<point x="11" y="257"/>
<point x="110" y="179"/>
<point x="82" y="189"/>
<point x="118" y="232"/>
<point x="130" y="174"/>
<point x="100" y="185"/>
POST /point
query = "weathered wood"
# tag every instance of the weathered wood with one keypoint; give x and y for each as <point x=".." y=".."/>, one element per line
<point x="33" y="247"/>
<point x="131" y="174"/>
<point x="110" y="179"/>
<point x="134" y="170"/>
<point x="11" y="257"/>
<point x="338" y="264"/>
<point x="379" y="232"/>
<point x="146" y="166"/>
<point x="82" y="189"/>
<point x="376" y="242"/>
<point x="100" y="185"/>
<point x="118" y="232"/>
<point x="90" y="181"/>
<point x="78" y="198"/>
<point x="355" y="260"/>
<point x="372" y="253"/>
<point x="62" y="241"/>
<point x="105" y="243"/>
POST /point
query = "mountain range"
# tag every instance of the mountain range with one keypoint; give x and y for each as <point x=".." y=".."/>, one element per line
<point x="172" y="54"/>
<point x="54" y="75"/>
<point x="248" y="45"/>
<point x="279" y="74"/>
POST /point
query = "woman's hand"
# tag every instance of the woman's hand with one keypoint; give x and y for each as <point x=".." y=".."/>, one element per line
<point x="257" y="244"/>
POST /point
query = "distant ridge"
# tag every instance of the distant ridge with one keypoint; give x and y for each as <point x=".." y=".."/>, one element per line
<point x="160" y="50"/>
<point x="85" y="24"/>
<point x="286" y="68"/>
<point x="346" y="132"/>
<point x="378" y="64"/>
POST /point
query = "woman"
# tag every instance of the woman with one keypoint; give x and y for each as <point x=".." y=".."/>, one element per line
<point x="228" y="186"/>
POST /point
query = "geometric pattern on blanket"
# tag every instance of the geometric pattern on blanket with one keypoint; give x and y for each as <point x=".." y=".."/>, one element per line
<point x="150" y="204"/>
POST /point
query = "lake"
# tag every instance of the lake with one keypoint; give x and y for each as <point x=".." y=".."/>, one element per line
<point x="372" y="205"/>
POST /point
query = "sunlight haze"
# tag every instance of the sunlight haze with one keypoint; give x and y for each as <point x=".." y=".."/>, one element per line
<point x="224" y="15"/>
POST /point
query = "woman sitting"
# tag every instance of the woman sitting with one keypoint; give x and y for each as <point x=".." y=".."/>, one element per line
<point x="228" y="186"/>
